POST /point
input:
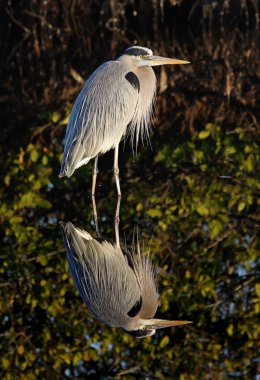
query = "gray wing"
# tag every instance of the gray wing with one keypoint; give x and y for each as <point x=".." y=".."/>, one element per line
<point x="104" y="280"/>
<point x="100" y="115"/>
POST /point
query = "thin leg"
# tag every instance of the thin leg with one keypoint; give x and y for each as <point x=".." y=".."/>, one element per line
<point x="117" y="220"/>
<point x="94" y="175"/>
<point x="95" y="217"/>
<point x="116" y="171"/>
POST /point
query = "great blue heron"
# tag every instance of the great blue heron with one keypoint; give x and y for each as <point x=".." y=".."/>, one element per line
<point x="117" y="285"/>
<point x="116" y="100"/>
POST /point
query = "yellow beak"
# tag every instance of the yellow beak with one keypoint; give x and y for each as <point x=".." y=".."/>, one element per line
<point x="161" y="323"/>
<point x="155" y="60"/>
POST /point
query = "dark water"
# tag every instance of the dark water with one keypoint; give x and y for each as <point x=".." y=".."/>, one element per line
<point x="192" y="194"/>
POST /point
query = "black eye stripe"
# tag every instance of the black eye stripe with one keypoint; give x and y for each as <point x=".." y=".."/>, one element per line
<point x="136" y="51"/>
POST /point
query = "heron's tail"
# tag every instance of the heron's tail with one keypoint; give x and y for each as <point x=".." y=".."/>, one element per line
<point x="68" y="168"/>
<point x="73" y="234"/>
<point x="63" y="171"/>
<point x="61" y="174"/>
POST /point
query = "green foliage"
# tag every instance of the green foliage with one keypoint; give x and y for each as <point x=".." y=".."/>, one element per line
<point x="199" y="204"/>
<point x="27" y="177"/>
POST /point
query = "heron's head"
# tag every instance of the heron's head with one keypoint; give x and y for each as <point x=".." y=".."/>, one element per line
<point x="143" y="56"/>
<point x="148" y="327"/>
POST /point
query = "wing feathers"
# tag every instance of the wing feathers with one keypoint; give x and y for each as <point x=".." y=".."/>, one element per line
<point x="105" y="282"/>
<point x="100" y="115"/>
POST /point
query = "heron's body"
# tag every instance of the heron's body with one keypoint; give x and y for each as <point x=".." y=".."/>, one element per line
<point x="119" y="287"/>
<point x="106" y="110"/>
<point x="116" y="100"/>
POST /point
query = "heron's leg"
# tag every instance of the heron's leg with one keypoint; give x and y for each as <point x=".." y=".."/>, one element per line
<point x="95" y="216"/>
<point x="116" y="171"/>
<point x="117" y="220"/>
<point x="94" y="175"/>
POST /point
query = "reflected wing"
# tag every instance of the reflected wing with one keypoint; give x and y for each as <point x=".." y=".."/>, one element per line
<point x="99" y="118"/>
<point x="100" y="272"/>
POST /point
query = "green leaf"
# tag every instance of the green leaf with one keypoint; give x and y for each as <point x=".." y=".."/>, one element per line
<point x="154" y="213"/>
<point x="204" y="134"/>
<point x="76" y="358"/>
<point x="202" y="210"/>
<point x="165" y="340"/>
<point x="44" y="160"/>
<point x="20" y="349"/>
<point x="34" y="155"/>
<point x="55" y="116"/>
<point x="7" y="180"/>
<point x="249" y="164"/>
<point x="5" y="363"/>
<point x="230" y="330"/>
<point x="241" y="206"/>
<point x="215" y="228"/>
<point x="230" y="150"/>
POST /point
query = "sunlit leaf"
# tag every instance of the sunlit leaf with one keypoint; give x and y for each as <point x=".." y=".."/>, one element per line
<point x="204" y="134"/>
<point x="154" y="213"/>
<point x="55" y="116"/>
<point x="230" y="150"/>
<point x="164" y="341"/>
<point x="202" y="209"/>
<point x="230" y="330"/>
<point x="34" y="155"/>
<point x="241" y="206"/>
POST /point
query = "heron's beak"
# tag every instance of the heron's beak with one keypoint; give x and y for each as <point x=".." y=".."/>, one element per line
<point x="161" y="323"/>
<point x="155" y="60"/>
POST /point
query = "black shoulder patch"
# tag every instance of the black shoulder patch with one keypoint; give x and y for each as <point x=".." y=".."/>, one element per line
<point x="132" y="78"/>
<point x="135" y="309"/>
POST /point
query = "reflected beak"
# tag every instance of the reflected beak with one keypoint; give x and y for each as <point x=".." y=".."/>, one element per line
<point x="155" y="60"/>
<point x="161" y="323"/>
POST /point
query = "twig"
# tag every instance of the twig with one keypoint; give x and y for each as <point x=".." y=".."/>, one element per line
<point x="24" y="28"/>
<point x="126" y="371"/>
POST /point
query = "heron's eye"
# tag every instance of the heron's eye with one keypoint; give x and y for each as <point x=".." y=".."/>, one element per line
<point x="143" y="56"/>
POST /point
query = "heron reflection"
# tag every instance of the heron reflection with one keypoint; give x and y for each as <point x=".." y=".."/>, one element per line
<point x="117" y="284"/>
